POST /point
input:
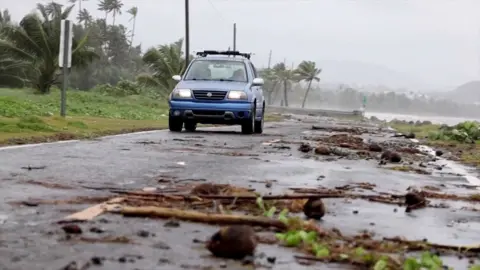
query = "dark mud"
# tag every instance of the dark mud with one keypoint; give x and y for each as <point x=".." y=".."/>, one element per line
<point x="269" y="163"/>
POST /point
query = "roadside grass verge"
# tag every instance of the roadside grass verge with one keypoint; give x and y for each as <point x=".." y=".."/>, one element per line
<point x="26" y="117"/>
<point x="462" y="139"/>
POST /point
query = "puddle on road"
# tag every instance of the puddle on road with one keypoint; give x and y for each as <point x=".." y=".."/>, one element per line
<point x="452" y="166"/>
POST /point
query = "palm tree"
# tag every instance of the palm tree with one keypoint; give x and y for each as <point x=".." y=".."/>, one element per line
<point x="165" y="61"/>
<point x="84" y="17"/>
<point x="133" y="11"/>
<point x="271" y="82"/>
<point x="115" y="7"/>
<point x="79" y="4"/>
<point x="35" y="42"/>
<point x="5" y="17"/>
<point x="104" y="5"/>
<point x="307" y="71"/>
<point x="286" y="77"/>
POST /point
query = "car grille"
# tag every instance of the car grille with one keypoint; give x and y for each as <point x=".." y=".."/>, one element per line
<point x="203" y="94"/>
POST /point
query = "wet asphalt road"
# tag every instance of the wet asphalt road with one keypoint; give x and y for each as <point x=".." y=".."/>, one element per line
<point x="30" y="240"/>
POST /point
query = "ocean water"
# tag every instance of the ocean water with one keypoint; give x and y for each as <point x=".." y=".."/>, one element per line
<point x="434" y="119"/>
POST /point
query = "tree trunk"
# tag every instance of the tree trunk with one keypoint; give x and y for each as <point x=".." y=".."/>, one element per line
<point x="285" y="95"/>
<point x="114" y="15"/>
<point x="133" y="32"/>
<point x="306" y="94"/>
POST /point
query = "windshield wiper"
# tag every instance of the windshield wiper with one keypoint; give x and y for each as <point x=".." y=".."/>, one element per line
<point x="195" y="79"/>
<point x="227" y="80"/>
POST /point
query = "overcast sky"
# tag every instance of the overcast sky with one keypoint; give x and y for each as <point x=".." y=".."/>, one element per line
<point x="435" y="41"/>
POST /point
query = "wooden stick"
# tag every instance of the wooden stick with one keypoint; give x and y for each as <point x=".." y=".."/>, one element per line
<point x="91" y="212"/>
<point x="195" y="216"/>
<point x="272" y="197"/>
<point x="471" y="248"/>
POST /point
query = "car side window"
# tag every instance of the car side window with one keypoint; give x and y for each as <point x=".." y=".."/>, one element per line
<point x="253" y="70"/>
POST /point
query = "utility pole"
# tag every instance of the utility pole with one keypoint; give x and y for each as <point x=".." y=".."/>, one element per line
<point x="65" y="60"/>
<point x="269" y="59"/>
<point x="187" y="34"/>
<point x="234" y="36"/>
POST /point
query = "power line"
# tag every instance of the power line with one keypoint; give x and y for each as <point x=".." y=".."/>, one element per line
<point x="218" y="11"/>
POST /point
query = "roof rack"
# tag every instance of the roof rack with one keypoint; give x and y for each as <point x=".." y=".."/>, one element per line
<point x="229" y="53"/>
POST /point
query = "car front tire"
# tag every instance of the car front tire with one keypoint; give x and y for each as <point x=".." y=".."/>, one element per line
<point x="259" y="124"/>
<point x="175" y="124"/>
<point x="248" y="125"/>
<point x="190" y="126"/>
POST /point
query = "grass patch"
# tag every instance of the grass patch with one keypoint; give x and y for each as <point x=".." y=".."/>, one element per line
<point x="421" y="131"/>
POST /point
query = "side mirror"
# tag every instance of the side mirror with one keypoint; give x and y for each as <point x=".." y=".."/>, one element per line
<point x="258" y="82"/>
<point x="177" y="78"/>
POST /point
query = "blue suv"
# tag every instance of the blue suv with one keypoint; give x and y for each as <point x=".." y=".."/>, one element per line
<point x="218" y="87"/>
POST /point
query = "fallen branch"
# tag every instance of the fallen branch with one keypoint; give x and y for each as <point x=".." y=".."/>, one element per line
<point x="415" y="245"/>
<point x="272" y="197"/>
<point x="195" y="216"/>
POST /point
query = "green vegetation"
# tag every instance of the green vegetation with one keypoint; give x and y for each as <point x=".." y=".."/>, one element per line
<point x="24" y="114"/>
<point x="302" y="235"/>
<point x="462" y="139"/>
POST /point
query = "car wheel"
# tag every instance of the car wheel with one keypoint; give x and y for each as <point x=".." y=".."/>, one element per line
<point x="248" y="125"/>
<point x="259" y="124"/>
<point x="190" y="126"/>
<point x="175" y="124"/>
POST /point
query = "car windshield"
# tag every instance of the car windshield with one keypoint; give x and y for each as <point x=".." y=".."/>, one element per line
<point x="217" y="70"/>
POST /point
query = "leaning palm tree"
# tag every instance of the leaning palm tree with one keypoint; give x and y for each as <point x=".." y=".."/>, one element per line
<point x="35" y="41"/>
<point x="307" y="71"/>
<point x="116" y="8"/>
<point x="164" y="61"/>
<point x="134" y="12"/>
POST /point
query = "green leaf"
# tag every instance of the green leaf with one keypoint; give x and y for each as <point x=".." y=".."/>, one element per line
<point x="360" y="251"/>
<point x="322" y="252"/>
<point x="344" y="256"/>
<point x="280" y="236"/>
<point x="380" y="265"/>
<point x="474" y="267"/>
<point x="271" y="212"/>
<point x="260" y="203"/>
<point x="293" y="240"/>
<point x="411" y="264"/>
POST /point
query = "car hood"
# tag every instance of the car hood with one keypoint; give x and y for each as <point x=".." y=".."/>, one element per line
<point x="212" y="85"/>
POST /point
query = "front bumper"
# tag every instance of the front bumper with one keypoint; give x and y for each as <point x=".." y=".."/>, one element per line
<point x="209" y="112"/>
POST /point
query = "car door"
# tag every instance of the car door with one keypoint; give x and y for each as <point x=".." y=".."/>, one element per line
<point x="258" y="91"/>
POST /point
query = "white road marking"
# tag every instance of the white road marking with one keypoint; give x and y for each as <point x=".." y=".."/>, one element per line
<point x="71" y="141"/>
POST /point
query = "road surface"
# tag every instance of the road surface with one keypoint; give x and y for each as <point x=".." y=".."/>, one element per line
<point x="30" y="238"/>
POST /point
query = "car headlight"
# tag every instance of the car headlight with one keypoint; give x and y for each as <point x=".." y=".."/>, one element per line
<point x="182" y="93"/>
<point x="237" y="95"/>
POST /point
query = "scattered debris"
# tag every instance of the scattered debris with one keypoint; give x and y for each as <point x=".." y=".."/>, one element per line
<point x="72" y="229"/>
<point x="34" y="168"/>
<point x="48" y="185"/>
<point x="391" y="157"/>
<point x="415" y="200"/>
<point x="314" y="208"/>
<point x="322" y="150"/>
<point x="305" y="148"/>
<point x="235" y="242"/>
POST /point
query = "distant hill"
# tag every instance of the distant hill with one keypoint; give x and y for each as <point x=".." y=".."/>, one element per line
<point x="465" y="93"/>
